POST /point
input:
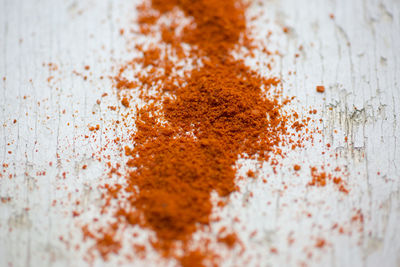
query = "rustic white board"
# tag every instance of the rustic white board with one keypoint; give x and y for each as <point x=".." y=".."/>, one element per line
<point x="356" y="56"/>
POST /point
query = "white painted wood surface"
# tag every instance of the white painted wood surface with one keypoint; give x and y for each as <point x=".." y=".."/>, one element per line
<point x="356" y="56"/>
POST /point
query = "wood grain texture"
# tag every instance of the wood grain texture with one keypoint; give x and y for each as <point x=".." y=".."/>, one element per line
<point x="356" y="56"/>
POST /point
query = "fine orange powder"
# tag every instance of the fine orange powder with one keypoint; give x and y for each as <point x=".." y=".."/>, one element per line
<point x="194" y="127"/>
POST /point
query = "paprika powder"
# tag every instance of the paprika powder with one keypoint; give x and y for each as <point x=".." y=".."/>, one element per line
<point x="193" y="126"/>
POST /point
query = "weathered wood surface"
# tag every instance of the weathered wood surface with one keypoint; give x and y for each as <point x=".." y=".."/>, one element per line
<point x="356" y="56"/>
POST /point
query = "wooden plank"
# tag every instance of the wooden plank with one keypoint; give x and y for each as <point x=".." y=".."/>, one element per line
<point x="355" y="56"/>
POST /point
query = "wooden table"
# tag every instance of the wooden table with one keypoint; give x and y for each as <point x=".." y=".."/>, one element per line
<point x="45" y="111"/>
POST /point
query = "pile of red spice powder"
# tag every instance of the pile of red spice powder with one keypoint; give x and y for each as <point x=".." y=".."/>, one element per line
<point x="194" y="125"/>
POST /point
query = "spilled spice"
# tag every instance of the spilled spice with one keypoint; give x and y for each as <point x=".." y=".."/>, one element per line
<point x="230" y="239"/>
<point x="320" y="243"/>
<point x="194" y="125"/>
<point x="320" y="88"/>
<point x="320" y="178"/>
